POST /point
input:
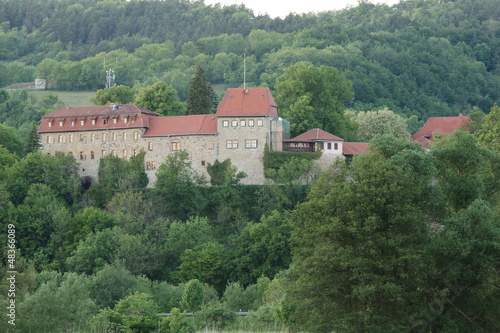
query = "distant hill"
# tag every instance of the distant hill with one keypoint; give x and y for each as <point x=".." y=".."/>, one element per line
<point x="423" y="58"/>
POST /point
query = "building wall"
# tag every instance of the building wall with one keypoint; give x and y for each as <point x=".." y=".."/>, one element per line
<point x="242" y="140"/>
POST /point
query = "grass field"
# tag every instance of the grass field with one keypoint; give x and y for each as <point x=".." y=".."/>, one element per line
<point x="69" y="98"/>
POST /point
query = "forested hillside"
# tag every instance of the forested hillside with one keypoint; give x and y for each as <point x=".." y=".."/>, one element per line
<point x="422" y="58"/>
<point x="400" y="239"/>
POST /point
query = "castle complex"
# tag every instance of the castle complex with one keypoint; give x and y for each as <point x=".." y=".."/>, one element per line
<point x="246" y="120"/>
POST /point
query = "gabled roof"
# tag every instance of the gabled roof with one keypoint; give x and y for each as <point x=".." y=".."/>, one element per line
<point x="248" y="102"/>
<point x="354" y="148"/>
<point x="438" y="125"/>
<point x="182" y="125"/>
<point x="126" y="115"/>
<point x="315" y="134"/>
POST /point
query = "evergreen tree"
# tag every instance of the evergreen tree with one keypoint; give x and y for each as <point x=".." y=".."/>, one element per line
<point x="200" y="94"/>
<point x="33" y="143"/>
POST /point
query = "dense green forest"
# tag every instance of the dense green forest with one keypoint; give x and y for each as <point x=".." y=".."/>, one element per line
<point x="423" y="58"/>
<point x="401" y="239"/>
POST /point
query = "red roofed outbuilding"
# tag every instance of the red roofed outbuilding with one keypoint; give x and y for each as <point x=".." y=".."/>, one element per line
<point x="441" y="125"/>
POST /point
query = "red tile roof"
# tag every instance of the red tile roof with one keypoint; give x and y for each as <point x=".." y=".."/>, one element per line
<point x="316" y="134"/>
<point x="182" y="125"/>
<point x="354" y="148"/>
<point x="127" y="116"/>
<point x="247" y="102"/>
<point x="438" y="125"/>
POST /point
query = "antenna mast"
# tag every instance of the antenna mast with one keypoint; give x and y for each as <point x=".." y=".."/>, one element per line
<point x="244" y="72"/>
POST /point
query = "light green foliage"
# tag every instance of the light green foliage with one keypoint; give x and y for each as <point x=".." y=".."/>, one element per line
<point x="140" y="311"/>
<point x="110" y="284"/>
<point x="177" y="322"/>
<point x="193" y="296"/>
<point x="237" y="298"/>
<point x="216" y="316"/>
<point x="166" y="295"/>
<point x="7" y="159"/>
<point x="58" y="172"/>
<point x="108" y="320"/>
<point x="160" y="98"/>
<point x="56" y="307"/>
<point x="385" y="121"/>
<point x="83" y="223"/>
<point x="117" y="94"/>
<point x="311" y="96"/>
<point x="207" y="264"/>
<point x="97" y="250"/>
<point x="489" y="133"/>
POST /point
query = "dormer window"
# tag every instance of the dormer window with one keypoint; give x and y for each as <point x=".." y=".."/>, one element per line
<point x="132" y="119"/>
<point x="115" y="120"/>
<point x="61" y="122"/>
<point x="72" y="123"/>
<point x="82" y="122"/>
<point x="93" y="122"/>
<point x="49" y="123"/>
<point x="104" y="120"/>
<point x="125" y="119"/>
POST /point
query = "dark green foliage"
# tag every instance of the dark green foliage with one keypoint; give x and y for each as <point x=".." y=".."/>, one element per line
<point x="10" y="139"/>
<point x="274" y="159"/>
<point x="224" y="173"/>
<point x="110" y="284"/>
<point x="33" y="141"/>
<point x="140" y="312"/>
<point x="193" y="296"/>
<point x="176" y="187"/>
<point x="116" y="173"/>
<point x="199" y="100"/>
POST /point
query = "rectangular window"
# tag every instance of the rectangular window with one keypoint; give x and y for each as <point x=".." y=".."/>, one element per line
<point x="115" y="120"/>
<point x="59" y="139"/>
<point x="104" y="137"/>
<point x="234" y="123"/>
<point x="125" y="120"/>
<point x="72" y="123"/>
<point x="176" y="146"/>
<point x="103" y="153"/>
<point x="151" y="165"/>
<point x="104" y="121"/>
<point x="251" y="144"/>
<point x="210" y="144"/>
<point x="125" y="136"/>
<point x="82" y="122"/>
<point x="125" y="153"/>
<point x="225" y="123"/>
<point x="113" y="153"/>
<point x="150" y="146"/>
<point x="82" y="138"/>
<point x="82" y="156"/>
<point x="71" y="138"/>
<point x="251" y="122"/>
<point x="61" y="122"/>
<point x="202" y="163"/>
<point x="50" y="123"/>
<point x="232" y="144"/>
<point x="336" y="146"/>
<point x="260" y="122"/>
<point x="135" y="152"/>
<point x="243" y="123"/>
<point x="132" y="119"/>
<point x="93" y="122"/>
<point x="329" y="146"/>
<point x="49" y="139"/>
<point x="113" y="136"/>
<point x="92" y="137"/>
<point x="136" y="135"/>
<point x="92" y="155"/>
